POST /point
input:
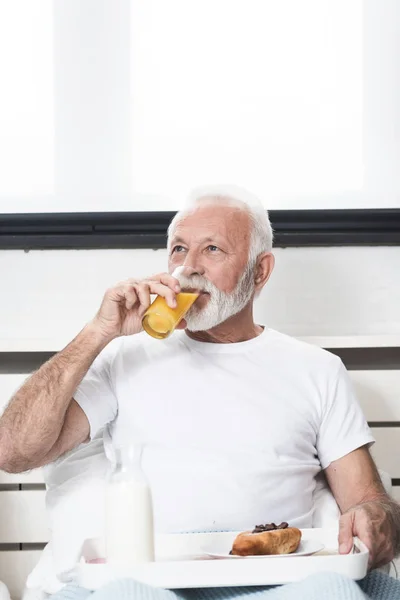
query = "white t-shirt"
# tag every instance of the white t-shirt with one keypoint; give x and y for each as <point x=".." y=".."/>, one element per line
<point x="233" y="434"/>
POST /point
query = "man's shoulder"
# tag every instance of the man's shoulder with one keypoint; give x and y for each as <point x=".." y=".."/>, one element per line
<point x="301" y="351"/>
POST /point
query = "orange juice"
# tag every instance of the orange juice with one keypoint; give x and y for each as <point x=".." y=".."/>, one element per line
<point x="160" y="320"/>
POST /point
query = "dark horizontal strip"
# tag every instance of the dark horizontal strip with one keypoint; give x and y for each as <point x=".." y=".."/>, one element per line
<point x="32" y="487"/>
<point x="22" y="362"/>
<point x="381" y="358"/>
<point x="33" y="546"/>
<point x="9" y="487"/>
<point x="16" y="487"/>
<point x="384" y="424"/>
<point x="149" y="229"/>
<point x="360" y="359"/>
<point x="19" y="547"/>
<point x="81" y="242"/>
<point x="395" y="482"/>
<point x="9" y="547"/>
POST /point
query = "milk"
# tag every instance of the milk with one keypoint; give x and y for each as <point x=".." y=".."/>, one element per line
<point x="129" y="518"/>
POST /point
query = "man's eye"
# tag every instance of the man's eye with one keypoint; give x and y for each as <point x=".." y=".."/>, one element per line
<point x="178" y="248"/>
<point x="212" y="248"/>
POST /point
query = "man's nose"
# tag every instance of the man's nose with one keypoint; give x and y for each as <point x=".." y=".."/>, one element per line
<point x="190" y="268"/>
<point x="192" y="264"/>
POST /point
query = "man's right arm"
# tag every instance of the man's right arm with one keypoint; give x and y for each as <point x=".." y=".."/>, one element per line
<point x="42" y="420"/>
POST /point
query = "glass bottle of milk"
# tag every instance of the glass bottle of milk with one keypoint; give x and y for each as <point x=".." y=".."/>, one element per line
<point x="129" y="512"/>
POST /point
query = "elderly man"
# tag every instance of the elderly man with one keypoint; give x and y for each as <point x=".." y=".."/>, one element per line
<point x="237" y="419"/>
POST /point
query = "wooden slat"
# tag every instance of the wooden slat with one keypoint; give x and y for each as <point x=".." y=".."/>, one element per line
<point x="8" y="386"/>
<point x="354" y="341"/>
<point x="378" y="393"/>
<point x="33" y="344"/>
<point x="31" y="477"/>
<point x="22" y="517"/>
<point x="386" y="450"/>
<point x="15" y="568"/>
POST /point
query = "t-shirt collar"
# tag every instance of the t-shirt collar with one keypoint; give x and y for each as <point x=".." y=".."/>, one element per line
<point x="232" y="348"/>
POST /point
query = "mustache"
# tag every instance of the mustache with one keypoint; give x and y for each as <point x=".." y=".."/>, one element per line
<point x="197" y="282"/>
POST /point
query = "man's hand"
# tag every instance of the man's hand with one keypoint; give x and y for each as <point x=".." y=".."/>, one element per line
<point x="373" y="524"/>
<point x="124" y="305"/>
<point x="367" y="510"/>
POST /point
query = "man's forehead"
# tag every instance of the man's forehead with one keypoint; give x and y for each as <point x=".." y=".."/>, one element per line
<point x="182" y="239"/>
<point x="212" y="222"/>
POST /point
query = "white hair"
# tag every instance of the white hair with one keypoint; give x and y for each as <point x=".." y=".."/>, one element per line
<point x="261" y="230"/>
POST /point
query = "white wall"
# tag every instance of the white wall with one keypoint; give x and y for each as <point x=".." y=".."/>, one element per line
<point x="47" y="296"/>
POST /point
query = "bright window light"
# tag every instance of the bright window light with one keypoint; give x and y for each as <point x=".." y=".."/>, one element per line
<point x="264" y="94"/>
<point x="128" y="105"/>
<point x="26" y="99"/>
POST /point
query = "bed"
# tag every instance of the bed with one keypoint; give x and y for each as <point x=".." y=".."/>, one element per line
<point x="374" y="365"/>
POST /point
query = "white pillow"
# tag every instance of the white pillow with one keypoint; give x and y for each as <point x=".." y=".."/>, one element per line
<point x="75" y="509"/>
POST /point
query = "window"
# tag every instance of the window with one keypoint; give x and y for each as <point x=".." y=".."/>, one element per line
<point x="26" y="99"/>
<point x="128" y="105"/>
<point x="264" y="94"/>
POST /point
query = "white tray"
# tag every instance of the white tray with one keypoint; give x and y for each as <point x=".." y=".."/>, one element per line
<point x="180" y="563"/>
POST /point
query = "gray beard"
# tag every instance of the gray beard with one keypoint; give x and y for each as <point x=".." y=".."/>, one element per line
<point x="221" y="305"/>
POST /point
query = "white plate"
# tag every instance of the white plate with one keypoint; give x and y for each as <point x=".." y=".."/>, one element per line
<point x="220" y="549"/>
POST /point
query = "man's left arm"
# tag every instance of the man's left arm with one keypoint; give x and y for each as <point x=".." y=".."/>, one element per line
<point x="367" y="510"/>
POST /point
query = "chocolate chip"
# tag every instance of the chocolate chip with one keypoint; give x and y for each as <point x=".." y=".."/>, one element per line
<point x="269" y="527"/>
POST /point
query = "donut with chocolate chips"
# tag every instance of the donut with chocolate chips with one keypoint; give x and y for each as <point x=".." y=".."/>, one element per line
<point x="266" y="540"/>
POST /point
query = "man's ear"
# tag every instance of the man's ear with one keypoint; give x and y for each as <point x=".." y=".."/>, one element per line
<point x="264" y="267"/>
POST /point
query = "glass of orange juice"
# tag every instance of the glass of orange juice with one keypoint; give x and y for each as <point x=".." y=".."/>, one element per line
<point x="160" y="320"/>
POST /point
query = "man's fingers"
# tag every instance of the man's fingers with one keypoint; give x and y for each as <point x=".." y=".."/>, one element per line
<point x="130" y="296"/>
<point x="346" y="533"/>
<point x="164" y="279"/>
<point x="164" y="291"/>
<point x="370" y="537"/>
<point x="133" y="290"/>
<point x="167" y="280"/>
<point x="143" y="292"/>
